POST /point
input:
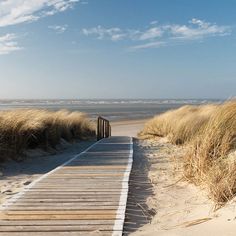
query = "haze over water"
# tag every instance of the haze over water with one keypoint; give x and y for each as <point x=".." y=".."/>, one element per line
<point x="112" y="109"/>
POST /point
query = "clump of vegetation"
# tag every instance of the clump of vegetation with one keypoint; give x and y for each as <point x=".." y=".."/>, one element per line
<point x="180" y="125"/>
<point x="31" y="128"/>
<point x="209" y="133"/>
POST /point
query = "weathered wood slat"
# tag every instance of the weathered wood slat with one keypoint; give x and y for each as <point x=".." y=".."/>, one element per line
<point x="71" y="196"/>
<point x="58" y="217"/>
<point x="66" y="212"/>
<point x="57" y="191"/>
<point x="79" y="188"/>
<point x="56" y="222"/>
<point x="61" y="200"/>
<point x="79" y="204"/>
<point x="71" y="193"/>
<point x="123" y="167"/>
<point x="62" y="233"/>
<point x="85" y="196"/>
<point x="104" y="172"/>
<point x="56" y="228"/>
<point x="57" y="208"/>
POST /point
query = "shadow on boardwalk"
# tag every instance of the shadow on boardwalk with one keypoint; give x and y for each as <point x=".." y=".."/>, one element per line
<point x="140" y="188"/>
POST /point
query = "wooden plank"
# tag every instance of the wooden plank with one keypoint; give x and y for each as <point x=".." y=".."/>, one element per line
<point x="57" y="208"/>
<point x="62" y="233"/>
<point x="81" y="181"/>
<point x="64" y="212"/>
<point x="61" y="200"/>
<point x="68" y="198"/>
<point x="78" y="204"/>
<point x="71" y="175"/>
<point x="80" y="188"/>
<point x="85" y="196"/>
<point x="89" y="187"/>
<point x="91" y="172"/>
<point x="59" y="217"/>
<point x="69" y="168"/>
<point x="81" y="191"/>
<point x="56" y="228"/>
<point x="56" y="222"/>
<point x="71" y="193"/>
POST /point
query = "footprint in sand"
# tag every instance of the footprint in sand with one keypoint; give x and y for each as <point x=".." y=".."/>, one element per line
<point x="7" y="192"/>
<point x="27" y="183"/>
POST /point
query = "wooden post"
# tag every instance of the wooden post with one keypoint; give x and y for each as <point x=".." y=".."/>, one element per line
<point x="103" y="128"/>
<point x="106" y="129"/>
<point x="99" y="128"/>
<point x="109" y="130"/>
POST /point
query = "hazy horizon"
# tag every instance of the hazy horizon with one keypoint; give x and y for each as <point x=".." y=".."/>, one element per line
<point x="125" y="98"/>
<point x="86" y="49"/>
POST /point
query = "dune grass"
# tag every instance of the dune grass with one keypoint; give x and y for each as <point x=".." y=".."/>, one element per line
<point x="209" y="133"/>
<point x="31" y="128"/>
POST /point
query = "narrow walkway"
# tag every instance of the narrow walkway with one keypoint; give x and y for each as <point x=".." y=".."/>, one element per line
<point x="85" y="196"/>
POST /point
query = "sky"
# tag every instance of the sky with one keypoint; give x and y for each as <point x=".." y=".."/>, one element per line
<point x="117" y="49"/>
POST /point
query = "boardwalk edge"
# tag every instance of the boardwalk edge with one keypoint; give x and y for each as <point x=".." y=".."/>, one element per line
<point x="119" y="223"/>
<point x="12" y="200"/>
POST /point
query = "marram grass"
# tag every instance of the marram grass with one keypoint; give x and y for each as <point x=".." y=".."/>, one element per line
<point x="30" y="128"/>
<point x="209" y="133"/>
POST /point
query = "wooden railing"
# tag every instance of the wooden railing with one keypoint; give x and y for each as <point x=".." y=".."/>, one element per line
<point x="103" y="128"/>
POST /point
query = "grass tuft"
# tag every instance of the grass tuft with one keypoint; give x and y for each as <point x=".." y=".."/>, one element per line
<point x="209" y="132"/>
<point x="31" y="128"/>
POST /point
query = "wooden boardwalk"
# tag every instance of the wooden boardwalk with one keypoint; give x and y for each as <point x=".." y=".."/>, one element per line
<point x="85" y="196"/>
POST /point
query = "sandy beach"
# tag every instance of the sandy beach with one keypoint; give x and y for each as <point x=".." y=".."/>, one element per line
<point x="172" y="206"/>
<point x="150" y="85"/>
<point x="127" y="127"/>
<point x="163" y="203"/>
<point x="160" y="202"/>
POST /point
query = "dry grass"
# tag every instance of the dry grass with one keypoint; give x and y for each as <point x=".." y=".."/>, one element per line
<point x="180" y="125"/>
<point x="31" y="128"/>
<point x="209" y="132"/>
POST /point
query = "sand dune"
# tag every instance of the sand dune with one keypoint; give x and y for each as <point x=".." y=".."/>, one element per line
<point x="176" y="207"/>
<point x="182" y="209"/>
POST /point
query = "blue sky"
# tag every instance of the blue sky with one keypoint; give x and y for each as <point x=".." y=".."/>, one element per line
<point x="117" y="49"/>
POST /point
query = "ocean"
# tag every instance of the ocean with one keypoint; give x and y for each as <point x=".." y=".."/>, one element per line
<point x="112" y="109"/>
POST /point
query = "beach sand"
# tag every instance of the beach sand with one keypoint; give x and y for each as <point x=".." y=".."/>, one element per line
<point x="172" y="206"/>
<point x="159" y="203"/>
<point x="127" y="127"/>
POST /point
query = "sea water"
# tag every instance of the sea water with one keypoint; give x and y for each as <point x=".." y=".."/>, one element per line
<point x="112" y="109"/>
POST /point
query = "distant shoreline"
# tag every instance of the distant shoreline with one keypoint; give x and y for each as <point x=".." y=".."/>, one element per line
<point x="130" y="121"/>
<point x="111" y="109"/>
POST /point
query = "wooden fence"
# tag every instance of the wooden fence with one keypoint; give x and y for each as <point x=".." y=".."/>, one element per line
<point x="103" y="128"/>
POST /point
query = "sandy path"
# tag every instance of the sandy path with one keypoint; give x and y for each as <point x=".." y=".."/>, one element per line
<point x="127" y="128"/>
